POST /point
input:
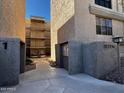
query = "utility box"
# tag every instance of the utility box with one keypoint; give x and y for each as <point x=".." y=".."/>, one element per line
<point x="9" y="61"/>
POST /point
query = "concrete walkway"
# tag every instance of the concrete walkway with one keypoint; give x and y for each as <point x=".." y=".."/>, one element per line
<point x="46" y="79"/>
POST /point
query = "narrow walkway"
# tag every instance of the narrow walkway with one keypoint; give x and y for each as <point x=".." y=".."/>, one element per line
<point x="46" y="79"/>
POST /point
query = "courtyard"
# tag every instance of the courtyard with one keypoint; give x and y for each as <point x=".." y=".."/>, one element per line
<point x="46" y="79"/>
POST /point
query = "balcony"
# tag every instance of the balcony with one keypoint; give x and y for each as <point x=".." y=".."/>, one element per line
<point x="40" y="38"/>
<point x="38" y="28"/>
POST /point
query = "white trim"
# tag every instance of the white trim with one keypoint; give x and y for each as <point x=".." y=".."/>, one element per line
<point x="105" y="12"/>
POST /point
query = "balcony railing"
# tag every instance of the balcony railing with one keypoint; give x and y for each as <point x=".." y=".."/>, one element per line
<point x="41" y="28"/>
<point x="40" y="38"/>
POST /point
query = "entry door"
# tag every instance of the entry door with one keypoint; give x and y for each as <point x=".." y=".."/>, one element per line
<point x="65" y="55"/>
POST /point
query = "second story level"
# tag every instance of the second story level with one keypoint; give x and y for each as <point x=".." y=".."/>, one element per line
<point x="37" y="23"/>
<point x="63" y="10"/>
<point x="37" y="28"/>
<point x="113" y="9"/>
<point x="116" y="5"/>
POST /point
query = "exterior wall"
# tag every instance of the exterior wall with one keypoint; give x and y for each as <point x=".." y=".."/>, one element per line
<point x="84" y="19"/>
<point x="118" y="28"/>
<point x="67" y="31"/>
<point x="106" y="58"/>
<point x="12" y="23"/>
<point x="75" y="58"/>
<point x="37" y="37"/>
<point x="12" y="32"/>
<point x="74" y="61"/>
<point x="81" y="27"/>
<point x="61" y="12"/>
<point x="9" y="61"/>
<point x="99" y="58"/>
<point x="85" y="23"/>
<point x="85" y="26"/>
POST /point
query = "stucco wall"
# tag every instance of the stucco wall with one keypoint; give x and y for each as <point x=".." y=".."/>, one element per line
<point x="83" y="27"/>
<point x="85" y="32"/>
<point x="118" y="28"/>
<point x="99" y="63"/>
<point x="12" y="15"/>
<point x="85" y="22"/>
<point x="67" y="31"/>
<point x="61" y="12"/>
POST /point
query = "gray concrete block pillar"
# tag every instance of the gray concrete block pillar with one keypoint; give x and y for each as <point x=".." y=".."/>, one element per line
<point x="9" y="61"/>
<point x="75" y="57"/>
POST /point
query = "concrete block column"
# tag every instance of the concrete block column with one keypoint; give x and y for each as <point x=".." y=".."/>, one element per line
<point x="75" y="57"/>
<point x="9" y="61"/>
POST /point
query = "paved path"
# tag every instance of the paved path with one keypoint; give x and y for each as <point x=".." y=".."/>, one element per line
<point x="46" y="79"/>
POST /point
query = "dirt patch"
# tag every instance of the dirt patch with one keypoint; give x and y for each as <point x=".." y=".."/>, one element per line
<point x="115" y="76"/>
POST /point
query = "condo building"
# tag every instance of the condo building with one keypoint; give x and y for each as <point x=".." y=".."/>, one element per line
<point x="37" y="37"/>
<point x="82" y="32"/>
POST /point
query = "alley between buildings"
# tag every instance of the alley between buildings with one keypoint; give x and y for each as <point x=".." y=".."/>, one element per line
<point x="46" y="79"/>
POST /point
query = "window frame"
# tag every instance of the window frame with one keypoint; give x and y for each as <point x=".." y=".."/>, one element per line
<point x="104" y="29"/>
<point x="65" y="49"/>
<point x="104" y="3"/>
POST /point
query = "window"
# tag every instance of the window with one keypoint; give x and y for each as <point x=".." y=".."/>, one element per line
<point x="103" y="26"/>
<point x="104" y="3"/>
<point x="65" y="49"/>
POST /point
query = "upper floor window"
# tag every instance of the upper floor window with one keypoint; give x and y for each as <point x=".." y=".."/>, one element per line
<point x="103" y="26"/>
<point x="104" y="3"/>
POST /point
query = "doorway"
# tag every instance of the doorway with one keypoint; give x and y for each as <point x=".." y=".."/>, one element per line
<point x="22" y="57"/>
<point x="64" y="54"/>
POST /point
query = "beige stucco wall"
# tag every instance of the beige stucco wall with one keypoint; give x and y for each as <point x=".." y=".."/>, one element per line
<point x="12" y="19"/>
<point x="85" y="22"/>
<point x="61" y="12"/>
<point x="67" y="31"/>
<point x="118" y="28"/>
<point x="82" y="26"/>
